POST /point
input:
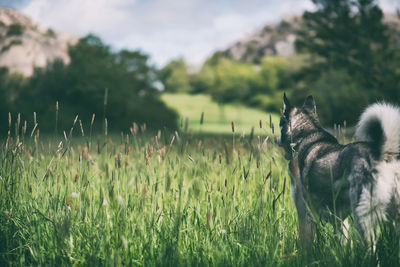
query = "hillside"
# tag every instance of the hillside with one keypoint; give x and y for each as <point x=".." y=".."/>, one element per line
<point x="23" y="44"/>
<point x="279" y="39"/>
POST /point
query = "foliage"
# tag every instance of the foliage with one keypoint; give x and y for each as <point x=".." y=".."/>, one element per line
<point x="15" y="29"/>
<point x="339" y="97"/>
<point x="11" y="85"/>
<point x="50" y="33"/>
<point x="346" y="59"/>
<point x="349" y="37"/>
<point x="96" y="79"/>
<point x="227" y="80"/>
<point x="175" y="77"/>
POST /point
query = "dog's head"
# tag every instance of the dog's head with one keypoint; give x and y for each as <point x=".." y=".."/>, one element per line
<point x="295" y="123"/>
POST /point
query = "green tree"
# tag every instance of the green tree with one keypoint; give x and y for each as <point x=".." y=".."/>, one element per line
<point x="226" y="80"/>
<point x="272" y="79"/>
<point x="11" y="85"/>
<point x="349" y="36"/>
<point x="80" y="89"/>
<point x="175" y="77"/>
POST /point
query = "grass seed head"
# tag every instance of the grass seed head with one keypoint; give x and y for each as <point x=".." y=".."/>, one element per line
<point x="156" y="141"/>
<point x="93" y="117"/>
<point x="146" y="157"/>
<point x="105" y="127"/>
<point x="135" y="128"/>
<point x="24" y="128"/>
<point x="68" y="201"/>
<point x="80" y="124"/>
<point x="251" y="134"/>
<point x="85" y="153"/>
<point x="243" y="134"/>
<point x="208" y="219"/>
<point x="118" y="159"/>
<point x="143" y="127"/>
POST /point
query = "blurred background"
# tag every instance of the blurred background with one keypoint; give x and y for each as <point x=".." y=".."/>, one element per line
<point x="197" y="64"/>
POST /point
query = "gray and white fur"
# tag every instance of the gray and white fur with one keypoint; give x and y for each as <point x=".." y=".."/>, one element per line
<point x="332" y="180"/>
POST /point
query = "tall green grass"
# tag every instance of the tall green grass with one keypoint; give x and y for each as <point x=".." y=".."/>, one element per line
<point x="162" y="199"/>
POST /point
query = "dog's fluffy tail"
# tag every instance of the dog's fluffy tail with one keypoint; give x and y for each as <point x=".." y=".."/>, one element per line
<point x="380" y="125"/>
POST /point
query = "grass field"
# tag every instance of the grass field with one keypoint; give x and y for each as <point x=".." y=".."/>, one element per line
<point x="170" y="199"/>
<point x="218" y="119"/>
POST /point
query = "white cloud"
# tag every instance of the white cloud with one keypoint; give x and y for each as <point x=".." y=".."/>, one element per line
<point x="166" y="28"/>
<point x="389" y="6"/>
<point x="78" y="16"/>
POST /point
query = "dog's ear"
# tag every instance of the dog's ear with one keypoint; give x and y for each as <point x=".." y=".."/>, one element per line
<point x="309" y="104"/>
<point x="286" y="105"/>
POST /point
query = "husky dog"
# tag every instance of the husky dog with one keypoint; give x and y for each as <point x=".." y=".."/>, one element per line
<point x="333" y="181"/>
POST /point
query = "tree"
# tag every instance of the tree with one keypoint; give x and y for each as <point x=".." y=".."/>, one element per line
<point x="80" y="89"/>
<point x="226" y="80"/>
<point x="11" y="85"/>
<point x="272" y="79"/>
<point x="349" y="36"/>
<point x="175" y="77"/>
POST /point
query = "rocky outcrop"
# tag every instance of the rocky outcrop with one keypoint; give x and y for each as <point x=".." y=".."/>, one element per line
<point x="25" y="45"/>
<point x="279" y="39"/>
<point x="273" y="39"/>
<point x="393" y="21"/>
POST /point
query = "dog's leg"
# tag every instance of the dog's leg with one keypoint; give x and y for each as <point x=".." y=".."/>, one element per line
<point x="306" y="225"/>
<point x="341" y="228"/>
<point x="361" y="202"/>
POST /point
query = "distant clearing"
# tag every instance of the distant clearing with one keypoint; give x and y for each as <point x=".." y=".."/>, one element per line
<point x="218" y="119"/>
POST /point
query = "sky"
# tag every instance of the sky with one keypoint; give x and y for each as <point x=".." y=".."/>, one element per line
<point x="165" y="29"/>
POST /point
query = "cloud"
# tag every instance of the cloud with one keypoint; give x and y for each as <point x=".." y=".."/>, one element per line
<point x="165" y="29"/>
<point x="78" y="16"/>
<point x="389" y="6"/>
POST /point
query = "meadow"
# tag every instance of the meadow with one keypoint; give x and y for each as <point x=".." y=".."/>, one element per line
<point x="157" y="199"/>
<point x="217" y="119"/>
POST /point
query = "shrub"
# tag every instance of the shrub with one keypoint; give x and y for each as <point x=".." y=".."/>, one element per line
<point x="338" y="97"/>
<point x="15" y="30"/>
